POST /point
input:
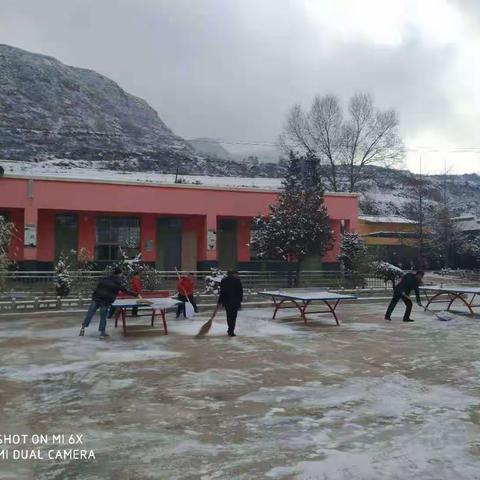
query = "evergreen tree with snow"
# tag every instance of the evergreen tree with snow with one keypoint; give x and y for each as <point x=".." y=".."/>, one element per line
<point x="63" y="280"/>
<point x="471" y="250"/>
<point x="352" y="249"/>
<point x="445" y="239"/>
<point x="298" y="225"/>
<point x="354" y="258"/>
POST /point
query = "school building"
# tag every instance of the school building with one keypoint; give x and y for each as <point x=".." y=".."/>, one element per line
<point x="193" y="227"/>
<point x="391" y="238"/>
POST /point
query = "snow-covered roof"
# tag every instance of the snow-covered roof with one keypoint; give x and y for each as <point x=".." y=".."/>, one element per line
<point x="387" y="234"/>
<point x="387" y="219"/>
<point x="468" y="223"/>
<point x="85" y="171"/>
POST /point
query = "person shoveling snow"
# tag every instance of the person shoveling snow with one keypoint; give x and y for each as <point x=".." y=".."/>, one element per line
<point x="402" y="291"/>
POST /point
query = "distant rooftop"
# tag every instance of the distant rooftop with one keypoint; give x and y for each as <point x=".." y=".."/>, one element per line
<point x="385" y="219"/>
<point x="468" y="223"/>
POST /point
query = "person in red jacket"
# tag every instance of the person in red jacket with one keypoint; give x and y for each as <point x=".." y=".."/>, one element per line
<point x="136" y="287"/>
<point x="185" y="289"/>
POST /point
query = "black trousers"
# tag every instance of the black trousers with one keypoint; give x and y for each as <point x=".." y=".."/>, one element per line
<point x="181" y="306"/>
<point x="232" y="312"/>
<point x="408" y="305"/>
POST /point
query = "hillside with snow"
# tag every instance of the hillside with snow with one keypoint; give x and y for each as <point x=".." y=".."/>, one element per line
<point x="389" y="191"/>
<point x="52" y="111"/>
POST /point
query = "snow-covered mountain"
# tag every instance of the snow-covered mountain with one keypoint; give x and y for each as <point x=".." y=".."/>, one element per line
<point x="51" y="110"/>
<point x="237" y="151"/>
<point x="211" y="148"/>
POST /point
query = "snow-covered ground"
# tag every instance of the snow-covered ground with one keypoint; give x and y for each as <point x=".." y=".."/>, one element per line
<point x="84" y="170"/>
<point x="367" y="400"/>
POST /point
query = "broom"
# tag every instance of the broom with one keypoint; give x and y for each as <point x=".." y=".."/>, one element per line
<point x="143" y="300"/>
<point x="207" y="325"/>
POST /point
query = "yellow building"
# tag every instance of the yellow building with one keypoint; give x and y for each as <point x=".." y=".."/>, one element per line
<point x="390" y="238"/>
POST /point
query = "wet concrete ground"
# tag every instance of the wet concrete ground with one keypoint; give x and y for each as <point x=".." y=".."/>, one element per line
<point x="367" y="400"/>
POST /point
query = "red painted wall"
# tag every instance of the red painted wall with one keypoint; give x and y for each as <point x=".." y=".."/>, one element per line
<point x="167" y="200"/>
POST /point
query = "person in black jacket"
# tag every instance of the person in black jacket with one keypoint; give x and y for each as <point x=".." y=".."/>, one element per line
<point x="102" y="298"/>
<point x="231" y="297"/>
<point x="402" y="291"/>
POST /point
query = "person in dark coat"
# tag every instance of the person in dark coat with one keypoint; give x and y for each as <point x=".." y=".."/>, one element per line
<point x="231" y="297"/>
<point x="402" y="291"/>
<point x="102" y="298"/>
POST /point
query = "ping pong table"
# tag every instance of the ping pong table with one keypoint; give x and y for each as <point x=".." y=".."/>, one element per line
<point x="158" y="306"/>
<point x="303" y="298"/>
<point x="449" y="294"/>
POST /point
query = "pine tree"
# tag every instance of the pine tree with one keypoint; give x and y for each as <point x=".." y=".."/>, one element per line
<point x="471" y="250"/>
<point x="63" y="280"/>
<point x="298" y="225"/>
<point x="354" y="258"/>
<point x="445" y="240"/>
<point x="353" y="251"/>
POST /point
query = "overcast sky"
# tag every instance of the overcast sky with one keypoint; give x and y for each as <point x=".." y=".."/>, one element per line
<point x="231" y="69"/>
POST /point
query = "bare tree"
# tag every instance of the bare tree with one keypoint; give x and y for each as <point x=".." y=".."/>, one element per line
<point x="368" y="136"/>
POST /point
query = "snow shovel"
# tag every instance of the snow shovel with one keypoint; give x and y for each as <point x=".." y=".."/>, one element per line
<point x="207" y="325"/>
<point x="189" y="310"/>
<point x="443" y="316"/>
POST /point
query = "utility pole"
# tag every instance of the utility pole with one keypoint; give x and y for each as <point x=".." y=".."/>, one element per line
<point x="420" y="215"/>
<point x="445" y="181"/>
<point x="446" y="216"/>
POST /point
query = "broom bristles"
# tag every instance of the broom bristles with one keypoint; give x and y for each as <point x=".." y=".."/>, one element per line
<point x="205" y="328"/>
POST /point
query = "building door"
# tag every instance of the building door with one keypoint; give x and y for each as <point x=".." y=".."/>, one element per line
<point x="189" y="251"/>
<point x="227" y="244"/>
<point x="169" y="243"/>
<point x="66" y="235"/>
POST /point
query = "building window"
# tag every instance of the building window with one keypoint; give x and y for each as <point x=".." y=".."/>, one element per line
<point x="117" y="237"/>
